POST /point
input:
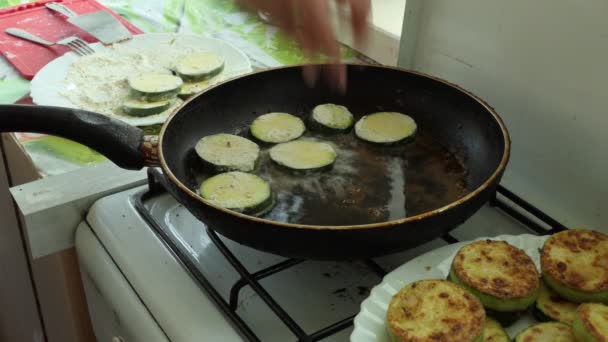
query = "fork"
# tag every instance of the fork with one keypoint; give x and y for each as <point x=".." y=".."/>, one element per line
<point x="76" y="44"/>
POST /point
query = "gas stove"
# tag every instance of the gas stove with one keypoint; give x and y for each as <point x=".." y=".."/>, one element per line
<point x="175" y="279"/>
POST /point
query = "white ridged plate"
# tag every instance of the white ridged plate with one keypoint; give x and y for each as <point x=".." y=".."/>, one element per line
<point x="49" y="83"/>
<point x="370" y="322"/>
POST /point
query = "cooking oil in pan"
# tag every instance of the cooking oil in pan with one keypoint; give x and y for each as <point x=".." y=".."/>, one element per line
<point x="367" y="184"/>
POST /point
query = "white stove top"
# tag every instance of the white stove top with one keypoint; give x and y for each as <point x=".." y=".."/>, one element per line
<point x="315" y="294"/>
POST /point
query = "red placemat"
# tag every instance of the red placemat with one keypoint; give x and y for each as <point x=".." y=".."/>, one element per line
<point x="28" y="58"/>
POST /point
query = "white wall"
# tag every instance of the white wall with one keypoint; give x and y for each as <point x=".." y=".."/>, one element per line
<point x="543" y="65"/>
<point x="388" y="15"/>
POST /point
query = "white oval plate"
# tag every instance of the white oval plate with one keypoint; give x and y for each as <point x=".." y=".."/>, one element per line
<point x="370" y="322"/>
<point x="50" y="82"/>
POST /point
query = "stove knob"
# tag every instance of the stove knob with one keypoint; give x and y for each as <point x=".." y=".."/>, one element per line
<point x="118" y="339"/>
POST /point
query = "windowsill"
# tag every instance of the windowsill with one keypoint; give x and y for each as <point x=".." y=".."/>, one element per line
<point x="384" y="35"/>
<point x="387" y="15"/>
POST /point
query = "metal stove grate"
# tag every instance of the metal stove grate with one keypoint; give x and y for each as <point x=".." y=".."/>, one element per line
<point x="531" y="217"/>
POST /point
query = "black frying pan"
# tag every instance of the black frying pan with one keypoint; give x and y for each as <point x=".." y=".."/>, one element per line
<point x="375" y="201"/>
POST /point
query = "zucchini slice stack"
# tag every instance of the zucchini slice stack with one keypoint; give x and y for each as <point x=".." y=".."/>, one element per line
<point x="304" y="155"/>
<point x="139" y="108"/>
<point x="591" y="324"/>
<point x="199" y="67"/>
<point x="227" y="152"/>
<point x="154" y="93"/>
<point x="197" y="70"/>
<point x="151" y="94"/>
<point x="574" y="264"/>
<point x="435" y="310"/>
<point x="190" y="89"/>
<point x="551" y="331"/>
<point x="239" y="191"/>
<point x="503" y="277"/>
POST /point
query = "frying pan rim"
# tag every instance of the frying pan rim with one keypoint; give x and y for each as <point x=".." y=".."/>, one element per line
<point x="387" y="224"/>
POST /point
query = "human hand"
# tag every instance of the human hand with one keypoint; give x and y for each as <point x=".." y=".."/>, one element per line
<point x="309" y="23"/>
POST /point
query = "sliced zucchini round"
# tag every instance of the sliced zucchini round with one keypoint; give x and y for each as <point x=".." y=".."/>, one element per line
<point x="386" y="128"/>
<point x="575" y="265"/>
<point x="435" y="310"/>
<point x="545" y="332"/>
<point x="502" y="276"/>
<point x="304" y="155"/>
<point x="332" y="118"/>
<point x="199" y="67"/>
<point x="154" y="87"/>
<point x="551" y="307"/>
<point x="191" y="89"/>
<point x="494" y="332"/>
<point x="239" y="191"/>
<point x="138" y="108"/>
<point x="227" y="152"/>
<point x="277" y="128"/>
<point x="591" y="324"/>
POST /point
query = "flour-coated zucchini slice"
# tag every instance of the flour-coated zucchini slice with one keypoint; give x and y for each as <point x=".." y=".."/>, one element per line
<point x="154" y="87"/>
<point x="304" y="155"/>
<point x="199" y="67"/>
<point x="502" y="276"/>
<point x="386" y="128"/>
<point x="550" y="306"/>
<point x="239" y="191"/>
<point x="190" y="89"/>
<point x="332" y="118"/>
<point x="494" y="332"/>
<point x="545" y="332"/>
<point x="435" y="310"/>
<point x="575" y="265"/>
<point x="227" y="152"/>
<point x="277" y="128"/>
<point x="139" y="108"/>
<point x="591" y="323"/>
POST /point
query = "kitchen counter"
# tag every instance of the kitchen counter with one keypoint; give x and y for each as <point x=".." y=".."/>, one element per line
<point x="264" y="44"/>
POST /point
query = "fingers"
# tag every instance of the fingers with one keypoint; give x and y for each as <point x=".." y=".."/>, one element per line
<point x="360" y="11"/>
<point x="318" y="37"/>
<point x="317" y="28"/>
<point x="335" y="76"/>
<point x="309" y="22"/>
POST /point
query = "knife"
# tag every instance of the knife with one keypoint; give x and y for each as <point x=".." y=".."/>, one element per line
<point x="100" y="24"/>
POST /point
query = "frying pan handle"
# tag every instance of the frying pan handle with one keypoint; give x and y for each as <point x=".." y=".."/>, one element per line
<point x="121" y="143"/>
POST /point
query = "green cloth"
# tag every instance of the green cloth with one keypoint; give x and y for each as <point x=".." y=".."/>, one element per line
<point x="12" y="90"/>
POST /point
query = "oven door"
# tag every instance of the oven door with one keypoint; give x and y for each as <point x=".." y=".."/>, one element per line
<point x="117" y="313"/>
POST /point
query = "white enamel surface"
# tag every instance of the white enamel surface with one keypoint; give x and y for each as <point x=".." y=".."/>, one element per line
<point x="49" y="83"/>
<point x="175" y="301"/>
<point x="316" y="294"/>
<point x="111" y="299"/>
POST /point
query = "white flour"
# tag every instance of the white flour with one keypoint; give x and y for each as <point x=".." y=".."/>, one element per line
<point x="98" y="82"/>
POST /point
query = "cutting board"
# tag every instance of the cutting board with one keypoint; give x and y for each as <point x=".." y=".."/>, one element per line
<point x="34" y="17"/>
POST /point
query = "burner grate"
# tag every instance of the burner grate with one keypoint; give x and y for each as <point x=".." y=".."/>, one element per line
<point x="535" y="220"/>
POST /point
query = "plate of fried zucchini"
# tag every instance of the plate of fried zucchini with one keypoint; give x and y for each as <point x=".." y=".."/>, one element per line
<point x="508" y="288"/>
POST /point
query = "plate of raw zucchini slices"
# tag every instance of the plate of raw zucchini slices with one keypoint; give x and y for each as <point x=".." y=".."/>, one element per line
<point x="140" y="81"/>
<point x="508" y="288"/>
